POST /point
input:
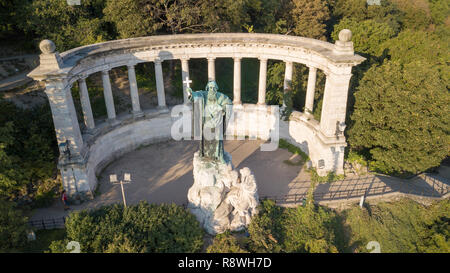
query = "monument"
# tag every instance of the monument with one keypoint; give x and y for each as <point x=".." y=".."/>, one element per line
<point x="221" y="197"/>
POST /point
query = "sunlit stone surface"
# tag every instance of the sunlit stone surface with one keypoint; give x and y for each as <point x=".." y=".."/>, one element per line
<point x="221" y="197"/>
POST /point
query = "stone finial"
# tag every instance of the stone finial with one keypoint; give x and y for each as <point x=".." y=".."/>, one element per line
<point x="47" y="46"/>
<point x="344" y="46"/>
<point x="49" y="59"/>
<point x="345" y="35"/>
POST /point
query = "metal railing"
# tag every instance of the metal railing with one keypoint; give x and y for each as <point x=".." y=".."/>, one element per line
<point x="48" y="223"/>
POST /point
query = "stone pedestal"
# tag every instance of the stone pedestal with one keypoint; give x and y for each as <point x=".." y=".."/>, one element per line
<point x="221" y="197"/>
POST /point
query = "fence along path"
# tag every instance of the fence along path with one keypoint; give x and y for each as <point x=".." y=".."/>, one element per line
<point x="350" y="189"/>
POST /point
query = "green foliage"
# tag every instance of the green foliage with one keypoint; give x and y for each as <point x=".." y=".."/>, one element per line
<point x="424" y="46"/>
<point x="225" y="243"/>
<point x="358" y="161"/>
<point x="366" y="35"/>
<point x="310" y="17"/>
<point x="283" y="144"/>
<point x="404" y="226"/>
<point x="330" y="177"/>
<point x="415" y="14"/>
<point x="9" y="16"/>
<point x="266" y="229"/>
<point x="140" y="228"/>
<point x="295" y="95"/>
<point x="44" y="239"/>
<point x="141" y="18"/>
<point x="13" y="226"/>
<point x="27" y="154"/>
<point x="401" y="117"/>
<point x="440" y="11"/>
<point x="355" y="9"/>
<point x="67" y="27"/>
<point x="308" y="229"/>
<point x="131" y="18"/>
<point x="268" y="16"/>
<point x="275" y="83"/>
<point x="358" y="10"/>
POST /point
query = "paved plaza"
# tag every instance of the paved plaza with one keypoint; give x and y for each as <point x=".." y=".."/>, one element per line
<point x="162" y="173"/>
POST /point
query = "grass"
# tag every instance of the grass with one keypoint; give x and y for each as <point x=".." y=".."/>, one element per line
<point x="330" y="177"/>
<point x="283" y="144"/>
<point x="43" y="240"/>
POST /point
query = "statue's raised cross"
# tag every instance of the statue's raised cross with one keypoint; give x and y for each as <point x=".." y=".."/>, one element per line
<point x="187" y="82"/>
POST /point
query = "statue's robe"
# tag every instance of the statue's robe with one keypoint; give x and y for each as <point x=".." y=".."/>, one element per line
<point x="213" y="148"/>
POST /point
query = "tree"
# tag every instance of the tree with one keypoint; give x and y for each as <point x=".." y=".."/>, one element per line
<point x="27" y="154"/>
<point x="9" y="15"/>
<point x="401" y="117"/>
<point x="440" y="12"/>
<point x="425" y="46"/>
<point x="145" y="17"/>
<point x="13" y="225"/>
<point x="415" y="13"/>
<point x="67" y="26"/>
<point x="310" y="17"/>
<point x="359" y="10"/>
<point x="401" y="227"/>
<point x="351" y="9"/>
<point x="140" y="228"/>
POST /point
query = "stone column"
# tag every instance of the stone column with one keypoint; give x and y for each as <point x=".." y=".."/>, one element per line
<point x="287" y="79"/>
<point x="72" y="160"/>
<point x="160" y="84"/>
<point x="107" y="92"/>
<point x="262" y="81"/>
<point x="309" y="102"/>
<point x="211" y="69"/>
<point x="64" y="117"/>
<point x="86" y="104"/>
<point x="335" y="102"/>
<point x="237" y="81"/>
<point x="134" y="93"/>
<point x="184" y="75"/>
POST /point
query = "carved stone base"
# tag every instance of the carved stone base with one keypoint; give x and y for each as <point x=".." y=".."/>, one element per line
<point x="222" y="198"/>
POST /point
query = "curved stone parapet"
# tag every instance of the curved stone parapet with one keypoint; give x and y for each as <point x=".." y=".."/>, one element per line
<point x="89" y="59"/>
<point x="84" y="152"/>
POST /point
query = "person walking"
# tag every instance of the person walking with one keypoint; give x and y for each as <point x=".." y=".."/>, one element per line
<point x="64" y="200"/>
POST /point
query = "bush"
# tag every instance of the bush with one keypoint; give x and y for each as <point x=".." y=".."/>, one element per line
<point x="266" y="229"/>
<point x="308" y="229"/>
<point x="140" y="228"/>
<point x="225" y="243"/>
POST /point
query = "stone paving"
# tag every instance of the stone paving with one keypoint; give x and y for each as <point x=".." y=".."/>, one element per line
<point x="162" y="173"/>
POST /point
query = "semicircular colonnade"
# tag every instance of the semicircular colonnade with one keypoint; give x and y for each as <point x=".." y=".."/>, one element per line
<point x="83" y="153"/>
